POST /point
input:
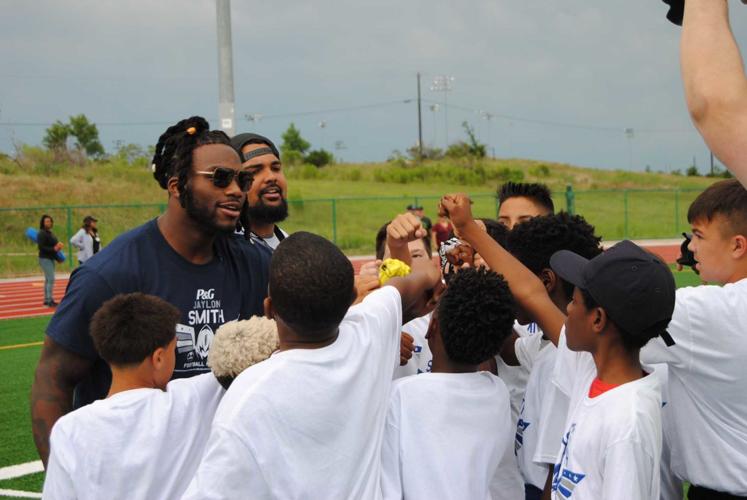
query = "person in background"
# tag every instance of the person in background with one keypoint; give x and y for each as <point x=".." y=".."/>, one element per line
<point x="441" y="232"/>
<point x="48" y="248"/>
<point x="417" y="211"/>
<point x="87" y="240"/>
<point x="267" y="199"/>
<point x="519" y="201"/>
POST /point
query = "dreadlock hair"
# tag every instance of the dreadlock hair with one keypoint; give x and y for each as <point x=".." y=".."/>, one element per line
<point x="475" y="315"/>
<point x="534" y="241"/>
<point x="173" y="155"/>
<point x="539" y="193"/>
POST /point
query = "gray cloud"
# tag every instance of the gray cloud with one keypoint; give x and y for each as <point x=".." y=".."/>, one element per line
<point x="611" y="64"/>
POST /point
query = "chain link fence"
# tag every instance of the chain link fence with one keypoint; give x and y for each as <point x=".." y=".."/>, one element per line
<point x="352" y="222"/>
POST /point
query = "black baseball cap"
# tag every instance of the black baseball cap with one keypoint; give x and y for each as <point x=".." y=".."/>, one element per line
<point x="89" y="218"/>
<point x="413" y="206"/>
<point x="239" y="141"/>
<point x="634" y="287"/>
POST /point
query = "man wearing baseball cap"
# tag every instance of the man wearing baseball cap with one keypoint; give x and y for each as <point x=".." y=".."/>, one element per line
<point x="267" y="199"/>
<point x="622" y="298"/>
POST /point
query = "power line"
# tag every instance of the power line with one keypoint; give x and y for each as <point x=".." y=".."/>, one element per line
<point x="339" y="110"/>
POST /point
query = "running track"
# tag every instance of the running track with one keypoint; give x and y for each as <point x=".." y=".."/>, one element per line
<point x="23" y="298"/>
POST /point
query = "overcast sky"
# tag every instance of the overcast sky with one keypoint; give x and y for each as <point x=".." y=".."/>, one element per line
<point x="563" y="79"/>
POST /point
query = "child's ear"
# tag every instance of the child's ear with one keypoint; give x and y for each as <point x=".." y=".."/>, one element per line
<point x="549" y="279"/>
<point x="739" y="246"/>
<point x="600" y="319"/>
<point x="267" y="305"/>
<point x="158" y="357"/>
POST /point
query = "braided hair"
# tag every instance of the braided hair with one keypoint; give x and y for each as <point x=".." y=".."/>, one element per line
<point x="173" y="155"/>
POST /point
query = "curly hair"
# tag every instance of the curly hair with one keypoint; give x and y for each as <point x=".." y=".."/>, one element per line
<point x="173" y="156"/>
<point x="128" y="328"/>
<point x="240" y="344"/>
<point x="496" y="230"/>
<point x="475" y="315"/>
<point x="534" y="241"/>
<point x="311" y="284"/>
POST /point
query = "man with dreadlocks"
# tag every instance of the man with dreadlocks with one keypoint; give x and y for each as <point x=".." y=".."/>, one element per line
<point x="188" y="256"/>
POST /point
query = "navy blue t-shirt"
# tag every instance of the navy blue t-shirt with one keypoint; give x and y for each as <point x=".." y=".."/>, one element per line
<point x="232" y="286"/>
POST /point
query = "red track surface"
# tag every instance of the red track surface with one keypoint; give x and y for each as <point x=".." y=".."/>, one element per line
<point x="23" y="299"/>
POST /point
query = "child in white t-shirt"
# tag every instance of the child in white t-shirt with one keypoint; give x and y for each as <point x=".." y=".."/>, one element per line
<point x="543" y="411"/>
<point x="708" y="363"/>
<point x="622" y="298"/>
<point x="146" y="438"/>
<point x="308" y="422"/>
<point x="448" y="432"/>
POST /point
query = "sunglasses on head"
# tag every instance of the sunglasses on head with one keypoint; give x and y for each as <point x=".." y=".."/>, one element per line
<point x="222" y="177"/>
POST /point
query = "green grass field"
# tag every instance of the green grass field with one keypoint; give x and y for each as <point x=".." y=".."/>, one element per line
<point x="344" y="203"/>
<point x="16" y="442"/>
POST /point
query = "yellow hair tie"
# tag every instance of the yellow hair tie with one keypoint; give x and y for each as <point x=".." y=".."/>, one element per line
<point x="191" y="130"/>
<point x="392" y="268"/>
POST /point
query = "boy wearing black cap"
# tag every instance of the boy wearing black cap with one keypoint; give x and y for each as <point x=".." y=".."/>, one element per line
<point x="267" y="199"/>
<point x="622" y="299"/>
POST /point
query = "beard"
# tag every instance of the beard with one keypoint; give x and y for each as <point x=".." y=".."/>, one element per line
<point x="203" y="215"/>
<point x="268" y="214"/>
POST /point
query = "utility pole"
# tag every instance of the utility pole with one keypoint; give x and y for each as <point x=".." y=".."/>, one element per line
<point x="713" y="168"/>
<point x="225" y="67"/>
<point x="420" y="124"/>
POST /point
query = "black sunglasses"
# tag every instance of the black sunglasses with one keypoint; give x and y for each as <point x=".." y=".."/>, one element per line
<point x="223" y="177"/>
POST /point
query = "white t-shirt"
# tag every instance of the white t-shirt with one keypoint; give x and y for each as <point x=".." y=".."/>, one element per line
<point x="308" y="423"/>
<point x="422" y="359"/>
<point x="448" y="435"/>
<point x="529" y="423"/>
<point x="140" y="443"/>
<point x="611" y="447"/>
<point x="515" y="377"/>
<point x="707" y="380"/>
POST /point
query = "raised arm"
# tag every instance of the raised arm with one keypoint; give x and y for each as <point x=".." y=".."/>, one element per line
<point x="527" y="289"/>
<point x="58" y="372"/>
<point x="402" y="230"/>
<point x="715" y="82"/>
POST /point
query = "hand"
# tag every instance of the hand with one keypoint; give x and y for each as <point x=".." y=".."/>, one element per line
<point x="370" y="268"/>
<point x="406" y="348"/>
<point x="58" y="247"/>
<point x="457" y="207"/>
<point x="365" y="285"/>
<point x="404" y="229"/>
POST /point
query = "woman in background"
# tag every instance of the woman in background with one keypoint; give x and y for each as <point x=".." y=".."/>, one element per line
<point x="48" y="248"/>
<point x="87" y="240"/>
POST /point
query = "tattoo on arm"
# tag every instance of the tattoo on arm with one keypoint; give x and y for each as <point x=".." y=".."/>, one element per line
<point x="58" y="372"/>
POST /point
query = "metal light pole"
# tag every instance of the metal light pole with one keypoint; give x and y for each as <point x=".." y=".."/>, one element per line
<point x="253" y="117"/>
<point x="225" y="67"/>
<point x="434" y="108"/>
<point x="443" y="83"/>
<point x="630" y="134"/>
<point x="322" y="126"/>
<point x="489" y="117"/>
<point x="420" y="123"/>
